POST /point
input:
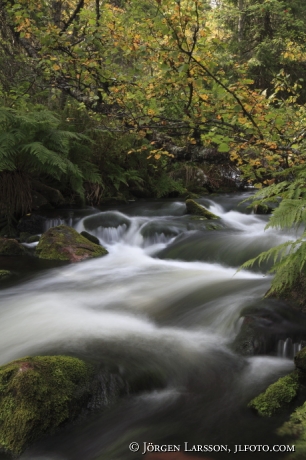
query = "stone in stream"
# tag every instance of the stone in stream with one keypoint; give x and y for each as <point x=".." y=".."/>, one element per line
<point x="90" y="237"/>
<point x="65" y="243"/>
<point x="197" y="210"/>
<point x="11" y="247"/>
<point x="285" y="395"/>
<point x="39" y="394"/>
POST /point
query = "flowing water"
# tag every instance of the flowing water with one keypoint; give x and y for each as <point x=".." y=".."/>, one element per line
<point x="166" y="301"/>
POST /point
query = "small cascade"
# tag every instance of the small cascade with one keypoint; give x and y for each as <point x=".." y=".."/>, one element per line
<point x="288" y="349"/>
<point x="157" y="238"/>
<point x="55" y="221"/>
<point x="111" y="235"/>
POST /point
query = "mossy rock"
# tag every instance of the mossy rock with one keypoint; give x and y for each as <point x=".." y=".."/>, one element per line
<point x="10" y="247"/>
<point x="33" y="239"/>
<point x="277" y="395"/>
<point x="39" y="394"/>
<point x="197" y="210"/>
<point x="24" y="236"/>
<point x="295" y="428"/>
<point x="4" y="274"/>
<point x="65" y="243"/>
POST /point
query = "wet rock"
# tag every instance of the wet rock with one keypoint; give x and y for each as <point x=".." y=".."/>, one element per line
<point x="262" y="209"/>
<point x="10" y="247"/>
<point x="300" y="360"/>
<point x="24" y="236"/>
<point x="277" y="396"/>
<point x="90" y="237"/>
<point x="197" y="210"/>
<point x="37" y="395"/>
<point x="265" y="324"/>
<point x="33" y="239"/>
<point x="65" y="243"/>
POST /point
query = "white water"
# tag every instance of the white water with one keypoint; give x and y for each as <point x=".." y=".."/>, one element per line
<point x="179" y="315"/>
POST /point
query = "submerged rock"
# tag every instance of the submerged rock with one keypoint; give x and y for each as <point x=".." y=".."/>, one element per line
<point x="197" y="210"/>
<point x="10" y="247"/>
<point x="90" y="237"/>
<point x="65" y="243"/>
<point x="39" y="394"/>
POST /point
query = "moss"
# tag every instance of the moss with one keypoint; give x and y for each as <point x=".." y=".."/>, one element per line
<point x="39" y="394"/>
<point x="5" y="274"/>
<point x="65" y="243"/>
<point x="10" y="247"/>
<point x="33" y="239"/>
<point x="198" y="210"/>
<point x="276" y="396"/>
<point x="295" y="429"/>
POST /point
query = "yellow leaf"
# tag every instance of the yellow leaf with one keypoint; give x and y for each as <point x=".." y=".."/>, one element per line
<point x="157" y="156"/>
<point x="56" y="67"/>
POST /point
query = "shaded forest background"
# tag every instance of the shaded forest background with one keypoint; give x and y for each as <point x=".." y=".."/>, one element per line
<point x="155" y="98"/>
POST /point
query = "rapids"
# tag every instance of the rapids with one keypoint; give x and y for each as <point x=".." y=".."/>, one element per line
<point x="167" y="297"/>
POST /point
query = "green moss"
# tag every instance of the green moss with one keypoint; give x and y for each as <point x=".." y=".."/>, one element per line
<point x="65" y="243"/>
<point x="39" y="394"/>
<point x="198" y="210"/>
<point x="295" y="429"/>
<point x="10" y="247"/>
<point x="5" y="274"/>
<point x="276" y="396"/>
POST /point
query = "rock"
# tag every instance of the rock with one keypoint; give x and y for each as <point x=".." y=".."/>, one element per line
<point x="33" y="239"/>
<point x="197" y="210"/>
<point x="39" y="394"/>
<point x="262" y="209"/>
<point x="295" y="428"/>
<point x="277" y="396"/>
<point x="4" y="274"/>
<point x="10" y="247"/>
<point x="32" y="224"/>
<point x="24" y="236"/>
<point x="65" y="243"/>
<point x="90" y="237"/>
<point x="300" y="360"/>
<point x="265" y="324"/>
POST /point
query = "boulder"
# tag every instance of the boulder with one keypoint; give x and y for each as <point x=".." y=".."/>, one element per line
<point x="277" y="396"/>
<point x="197" y="210"/>
<point x="10" y="247"/>
<point x="65" y="243"/>
<point x="39" y="394"/>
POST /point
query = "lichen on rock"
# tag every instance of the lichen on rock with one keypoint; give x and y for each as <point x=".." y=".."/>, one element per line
<point x="197" y="210"/>
<point x="65" y="243"/>
<point x="39" y="394"/>
<point x="276" y="396"/>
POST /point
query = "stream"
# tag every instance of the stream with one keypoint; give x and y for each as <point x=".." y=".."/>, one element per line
<point x="166" y="299"/>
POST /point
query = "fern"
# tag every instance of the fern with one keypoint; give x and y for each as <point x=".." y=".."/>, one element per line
<point x="289" y="258"/>
<point x="33" y="145"/>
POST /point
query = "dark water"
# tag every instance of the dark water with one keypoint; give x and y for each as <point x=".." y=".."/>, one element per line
<point x="166" y="299"/>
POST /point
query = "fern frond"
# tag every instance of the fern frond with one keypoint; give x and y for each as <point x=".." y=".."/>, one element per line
<point x="290" y="213"/>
